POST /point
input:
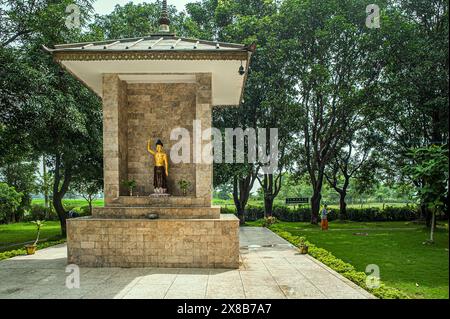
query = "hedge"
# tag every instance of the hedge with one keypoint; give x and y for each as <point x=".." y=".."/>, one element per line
<point x="303" y="214"/>
<point x="22" y="251"/>
<point x="38" y="212"/>
<point x="343" y="268"/>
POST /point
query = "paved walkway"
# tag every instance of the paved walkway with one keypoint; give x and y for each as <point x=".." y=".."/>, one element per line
<point x="271" y="268"/>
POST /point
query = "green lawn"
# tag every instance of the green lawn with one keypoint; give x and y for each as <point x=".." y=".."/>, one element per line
<point x="397" y="248"/>
<point x="19" y="233"/>
<point x="71" y="202"/>
<point x="219" y="202"/>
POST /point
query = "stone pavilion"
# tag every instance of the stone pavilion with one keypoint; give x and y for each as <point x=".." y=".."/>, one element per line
<point x="149" y="86"/>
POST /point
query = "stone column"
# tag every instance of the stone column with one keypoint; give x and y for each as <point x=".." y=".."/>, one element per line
<point x="114" y="136"/>
<point x="203" y="172"/>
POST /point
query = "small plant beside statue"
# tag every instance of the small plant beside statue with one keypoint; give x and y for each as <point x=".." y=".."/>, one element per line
<point x="184" y="186"/>
<point x="130" y="185"/>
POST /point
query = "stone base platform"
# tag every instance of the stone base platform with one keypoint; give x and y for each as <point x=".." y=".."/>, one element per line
<point x="180" y="243"/>
<point x="163" y="212"/>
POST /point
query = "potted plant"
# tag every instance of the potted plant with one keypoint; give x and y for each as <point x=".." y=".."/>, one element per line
<point x="130" y="185"/>
<point x="184" y="186"/>
<point x="31" y="249"/>
<point x="302" y="246"/>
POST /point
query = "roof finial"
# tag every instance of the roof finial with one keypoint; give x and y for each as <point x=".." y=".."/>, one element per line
<point x="164" y="21"/>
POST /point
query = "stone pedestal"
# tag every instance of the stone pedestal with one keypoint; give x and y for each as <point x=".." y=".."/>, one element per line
<point x="198" y="243"/>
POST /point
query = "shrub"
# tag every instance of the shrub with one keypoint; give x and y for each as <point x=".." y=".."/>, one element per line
<point x="22" y="251"/>
<point x="303" y="214"/>
<point x="227" y="210"/>
<point x="269" y="221"/>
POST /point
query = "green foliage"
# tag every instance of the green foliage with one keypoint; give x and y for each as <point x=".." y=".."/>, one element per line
<point x="133" y="20"/>
<point x="22" y="176"/>
<point x="345" y="269"/>
<point x="129" y="184"/>
<point x="9" y="202"/>
<point x="285" y="213"/>
<point x="431" y="166"/>
<point x="22" y="251"/>
<point x="269" y="221"/>
<point x="184" y="185"/>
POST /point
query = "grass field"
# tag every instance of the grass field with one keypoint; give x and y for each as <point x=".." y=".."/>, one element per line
<point x="397" y="248"/>
<point x="71" y="202"/>
<point x="13" y="236"/>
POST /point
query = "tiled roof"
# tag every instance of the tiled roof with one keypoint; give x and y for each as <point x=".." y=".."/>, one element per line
<point x="155" y="42"/>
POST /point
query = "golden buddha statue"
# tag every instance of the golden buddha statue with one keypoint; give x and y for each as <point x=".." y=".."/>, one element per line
<point x="161" y="170"/>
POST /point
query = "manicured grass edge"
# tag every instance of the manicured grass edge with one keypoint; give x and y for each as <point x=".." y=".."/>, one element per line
<point x="343" y="268"/>
<point x="18" y="252"/>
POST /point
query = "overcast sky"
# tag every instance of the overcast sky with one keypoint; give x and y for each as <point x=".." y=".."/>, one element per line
<point x="107" y="6"/>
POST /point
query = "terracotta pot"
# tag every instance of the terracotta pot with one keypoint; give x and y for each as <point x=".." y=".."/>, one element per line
<point x="31" y="249"/>
<point x="303" y="249"/>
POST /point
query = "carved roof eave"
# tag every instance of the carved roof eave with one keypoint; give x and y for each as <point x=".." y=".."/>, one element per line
<point x="86" y="55"/>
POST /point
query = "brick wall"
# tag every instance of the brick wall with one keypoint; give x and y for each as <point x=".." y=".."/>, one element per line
<point x="136" y="112"/>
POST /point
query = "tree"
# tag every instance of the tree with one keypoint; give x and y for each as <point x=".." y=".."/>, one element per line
<point x="335" y="69"/>
<point x="223" y="191"/>
<point x="346" y="164"/>
<point x="414" y="87"/>
<point x="431" y="165"/>
<point x="9" y="202"/>
<point x="57" y="117"/>
<point x="88" y="190"/>
<point x="22" y="176"/>
<point x="89" y="183"/>
<point x="21" y="21"/>
<point x="133" y="20"/>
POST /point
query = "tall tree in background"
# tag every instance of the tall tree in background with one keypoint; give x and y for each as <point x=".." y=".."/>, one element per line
<point x="22" y="176"/>
<point x="415" y="82"/>
<point x="133" y="20"/>
<point x="347" y="162"/>
<point x="53" y="114"/>
<point x="335" y="71"/>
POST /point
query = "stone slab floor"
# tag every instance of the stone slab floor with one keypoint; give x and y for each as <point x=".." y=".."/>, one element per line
<point x="270" y="268"/>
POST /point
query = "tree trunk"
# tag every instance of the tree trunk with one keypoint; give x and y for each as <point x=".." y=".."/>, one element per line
<point x="268" y="206"/>
<point x="428" y="217"/>
<point x="45" y="181"/>
<point x="62" y="215"/>
<point x="433" y="224"/>
<point x="342" y="205"/>
<point x="241" y="193"/>
<point x="315" y="206"/>
<point x="58" y="193"/>
<point x="241" y="216"/>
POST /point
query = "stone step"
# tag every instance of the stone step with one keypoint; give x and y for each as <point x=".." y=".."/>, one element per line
<point x="175" y="212"/>
<point x="170" y="201"/>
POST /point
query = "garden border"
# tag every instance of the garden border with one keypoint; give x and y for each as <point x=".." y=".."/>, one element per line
<point x="347" y="270"/>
